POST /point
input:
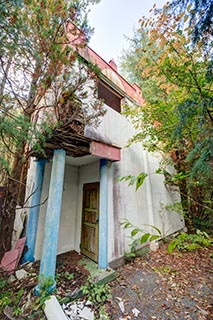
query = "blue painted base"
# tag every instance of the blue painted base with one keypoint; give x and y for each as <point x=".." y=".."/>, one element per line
<point x="34" y="212"/>
<point x="48" y="290"/>
<point x="27" y="258"/>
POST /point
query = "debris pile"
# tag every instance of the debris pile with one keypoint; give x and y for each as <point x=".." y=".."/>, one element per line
<point x="17" y="296"/>
<point x="81" y="310"/>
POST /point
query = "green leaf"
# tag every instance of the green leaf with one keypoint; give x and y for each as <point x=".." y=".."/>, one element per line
<point x="144" y="238"/>
<point x="159" y="171"/>
<point x="134" y="232"/>
<point x="140" y="179"/>
<point x="127" y="225"/>
<point x="154" y="237"/>
<point x="172" y="245"/>
<point x="153" y="227"/>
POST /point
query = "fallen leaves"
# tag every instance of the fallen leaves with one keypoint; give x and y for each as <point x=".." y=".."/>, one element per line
<point x="164" y="287"/>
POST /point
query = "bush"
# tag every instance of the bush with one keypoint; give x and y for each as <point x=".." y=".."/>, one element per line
<point x="189" y="242"/>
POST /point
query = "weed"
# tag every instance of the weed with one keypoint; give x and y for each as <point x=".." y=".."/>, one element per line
<point x="18" y="296"/>
<point x="144" y="236"/>
<point x="98" y="295"/>
<point x="5" y="300"/>
<point x="17" y="311"/>
<point x="44" y="290"/>
<point x="189" y="242"/>
<point x="3" y="283"/>
<point x="103" y="315"/>
<point x="164" y="270"/>
<point x="5" y="294"/>
<point x="67" y="275"/>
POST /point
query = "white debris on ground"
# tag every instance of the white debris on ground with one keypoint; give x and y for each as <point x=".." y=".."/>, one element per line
<point x="21" y="274"/>
<point x="135" y="312"/>
<point x="81" y="310"/>
<point x="121" y="304"/>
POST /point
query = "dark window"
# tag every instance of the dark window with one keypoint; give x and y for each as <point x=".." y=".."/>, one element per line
<point x="110" y="97"/>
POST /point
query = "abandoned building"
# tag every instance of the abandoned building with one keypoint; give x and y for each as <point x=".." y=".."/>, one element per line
<point x="85" y="202"/>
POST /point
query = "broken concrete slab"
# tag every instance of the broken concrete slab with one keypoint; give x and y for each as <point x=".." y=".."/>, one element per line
<point x="53" y="310"/>
<point x="135" y="312"/>
<point x="21" y="274"/>
<point x="87" y="314"/>
<point x="28" y="265"/>
<point x="81" y="310"/>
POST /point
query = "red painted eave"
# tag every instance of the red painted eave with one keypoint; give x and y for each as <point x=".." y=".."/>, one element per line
<point x="105" y="151"/>
<point x="77" y="38"/>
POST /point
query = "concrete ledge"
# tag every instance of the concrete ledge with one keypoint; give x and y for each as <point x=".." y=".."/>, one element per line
<point x="100" y="276"/>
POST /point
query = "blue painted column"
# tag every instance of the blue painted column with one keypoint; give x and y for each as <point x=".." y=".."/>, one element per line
<point x="103" y="216"/>
<point x="34" y="212"/>
<point x="51" y="230"/>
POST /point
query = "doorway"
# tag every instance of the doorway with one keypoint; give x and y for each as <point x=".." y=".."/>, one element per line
<point x="90" y="221"/>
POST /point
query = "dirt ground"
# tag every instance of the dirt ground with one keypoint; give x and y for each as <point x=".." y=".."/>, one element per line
<point x="157" y="286"/>
<point x="164" y="286"/>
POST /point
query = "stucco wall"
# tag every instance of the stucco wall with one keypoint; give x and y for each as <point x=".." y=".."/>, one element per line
<point x="113" y="129"/>
<point x="147" y="204"/>
<point x="67" y="232"/>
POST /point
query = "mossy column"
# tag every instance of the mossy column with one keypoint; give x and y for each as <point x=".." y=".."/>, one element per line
<point x="51" y="230"/>
<point x="34" y="212"/>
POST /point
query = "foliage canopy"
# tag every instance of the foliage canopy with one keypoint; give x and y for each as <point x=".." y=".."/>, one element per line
<point x="175" y="74"/>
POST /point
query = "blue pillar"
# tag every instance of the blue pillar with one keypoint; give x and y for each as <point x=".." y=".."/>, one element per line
<point x="51" y="230"/>
<point x="34" y="211"/>
<point x="103" y="216"/>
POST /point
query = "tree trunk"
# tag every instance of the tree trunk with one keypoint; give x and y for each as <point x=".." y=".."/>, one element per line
<point x="7" y="216"/>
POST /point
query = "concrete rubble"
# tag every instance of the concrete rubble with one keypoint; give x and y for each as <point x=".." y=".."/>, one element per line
<point x="21" y="274"/>
<point x="81" y="310"/>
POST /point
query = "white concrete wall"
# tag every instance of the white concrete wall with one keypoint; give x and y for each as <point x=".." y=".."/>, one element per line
<point x="113" y="129"/>
<point x="67" y="232"/>
<point x="144" y="206"/>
